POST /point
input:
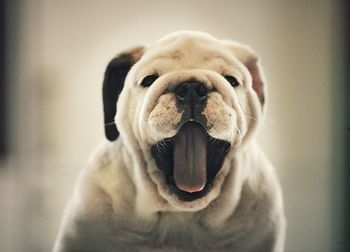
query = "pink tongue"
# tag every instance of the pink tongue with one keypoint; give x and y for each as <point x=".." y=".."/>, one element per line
<point x="190" y="158"/>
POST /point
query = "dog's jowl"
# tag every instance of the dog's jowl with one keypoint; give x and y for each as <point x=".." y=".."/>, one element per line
<point x="180" y="169"/>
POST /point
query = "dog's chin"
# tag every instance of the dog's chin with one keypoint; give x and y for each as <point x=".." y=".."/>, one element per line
<point x="190" y="162"/>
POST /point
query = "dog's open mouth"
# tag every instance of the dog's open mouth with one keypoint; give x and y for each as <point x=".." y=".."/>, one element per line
<point x="190" y="160"/>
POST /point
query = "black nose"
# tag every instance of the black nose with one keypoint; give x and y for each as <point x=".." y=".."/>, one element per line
<point x="191" y="90"/>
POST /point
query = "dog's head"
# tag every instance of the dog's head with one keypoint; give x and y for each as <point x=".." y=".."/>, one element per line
<point x="185" y="103"/>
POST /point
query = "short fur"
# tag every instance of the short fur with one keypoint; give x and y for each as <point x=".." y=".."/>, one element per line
<point x="122" y="201"/>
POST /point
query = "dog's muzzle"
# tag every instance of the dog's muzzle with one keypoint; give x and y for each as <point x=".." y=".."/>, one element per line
<point x="191" y="159"/>
<point x="191" y="99"/>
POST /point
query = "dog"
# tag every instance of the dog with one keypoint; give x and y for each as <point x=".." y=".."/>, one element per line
<point x="181" y="170"/>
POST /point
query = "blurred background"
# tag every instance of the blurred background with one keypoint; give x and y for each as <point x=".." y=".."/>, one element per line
<point x="53" y="56"/>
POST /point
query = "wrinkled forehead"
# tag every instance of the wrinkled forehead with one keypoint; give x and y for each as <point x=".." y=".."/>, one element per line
<point x="187" y="52"/>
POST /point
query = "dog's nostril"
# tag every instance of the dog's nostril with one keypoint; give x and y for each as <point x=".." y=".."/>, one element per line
<point x="191" y="88"/>
<point x="182" y="90"/>
<point x="201" y="90"/>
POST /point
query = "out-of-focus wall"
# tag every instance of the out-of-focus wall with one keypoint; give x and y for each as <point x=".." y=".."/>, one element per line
<point x="60" y="50"/>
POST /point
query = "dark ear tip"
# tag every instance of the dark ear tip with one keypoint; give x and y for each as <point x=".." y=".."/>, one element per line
<point x="111" y="132"/>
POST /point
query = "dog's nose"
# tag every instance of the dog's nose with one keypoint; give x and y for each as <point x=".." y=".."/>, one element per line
<point x="191" y="90"/>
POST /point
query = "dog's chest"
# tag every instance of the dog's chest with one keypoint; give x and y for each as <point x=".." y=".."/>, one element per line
<point x="181" y="231"/>
<point x="177" y="228"/>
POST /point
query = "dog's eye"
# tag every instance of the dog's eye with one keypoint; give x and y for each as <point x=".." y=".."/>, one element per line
<point x="232" y="80"/>
<point x="149" y="79"/>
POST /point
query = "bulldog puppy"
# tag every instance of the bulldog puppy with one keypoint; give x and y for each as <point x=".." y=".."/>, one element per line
<point x="181" y="170"/>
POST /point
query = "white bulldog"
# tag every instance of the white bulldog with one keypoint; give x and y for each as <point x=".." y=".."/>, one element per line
<point x="185" y="173"/>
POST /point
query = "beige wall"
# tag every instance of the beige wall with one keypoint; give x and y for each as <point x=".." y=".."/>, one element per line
<point x="62" y="49"/>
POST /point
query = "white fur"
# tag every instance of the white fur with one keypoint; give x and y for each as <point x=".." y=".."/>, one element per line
<point x="121" y="201"/>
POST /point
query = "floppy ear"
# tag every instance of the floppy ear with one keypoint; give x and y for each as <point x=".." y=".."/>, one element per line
<point x="250" y="59"/>
<point x="113" y="84"/>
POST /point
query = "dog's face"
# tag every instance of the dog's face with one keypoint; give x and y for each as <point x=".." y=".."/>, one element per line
<point x="186" y="102"/>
